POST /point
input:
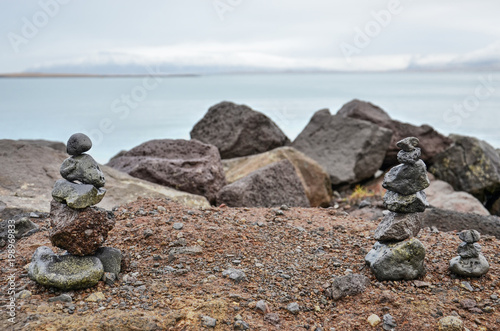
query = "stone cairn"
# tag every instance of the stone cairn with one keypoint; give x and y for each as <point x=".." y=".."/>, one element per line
<point x="470" y="262"/>
<point x="77" y="226"/>
<point x="398" y="255"/>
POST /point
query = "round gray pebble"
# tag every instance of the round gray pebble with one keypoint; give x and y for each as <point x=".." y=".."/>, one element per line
<point x="78" y="143"/>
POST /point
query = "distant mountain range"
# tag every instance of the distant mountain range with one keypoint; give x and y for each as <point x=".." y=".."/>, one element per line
<point x="150" y="63"/>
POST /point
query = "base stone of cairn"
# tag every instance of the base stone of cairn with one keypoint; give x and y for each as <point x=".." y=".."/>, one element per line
<point x="77" y="226"/>
<point x="470" y="262"/>
<point x="398" y="255"/>
<point x="66" y="272"/>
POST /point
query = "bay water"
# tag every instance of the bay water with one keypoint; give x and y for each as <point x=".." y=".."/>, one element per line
<point x="119" y="113"/>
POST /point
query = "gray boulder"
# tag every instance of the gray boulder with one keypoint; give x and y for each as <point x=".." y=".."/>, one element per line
<point x="349" y="285"/>
<point x="77" y="196"/>
<point x="398" y="227"/>
<point x="65" y="272"/>
<point x="432" y="142"/>
<point x="413" y="203"/>
<point x="83" y="168"/>
<point x="186" y="165"/>
<point x="407" y="179"/>
<point x="399" y="261"/>
<point x="271" y="186"/>
<point x="469" y="165"/>
<point x="350" y="150"/>
<point x="449" y="220"/>
<point x="237" y="130"/>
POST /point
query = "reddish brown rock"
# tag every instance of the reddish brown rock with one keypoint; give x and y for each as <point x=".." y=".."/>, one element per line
<point x="186" y="165"/>
<point x="80" y="232"/>
<point x="270" y="186"/>
<point x="432" y="142"/>
<point x="238" y="130"/>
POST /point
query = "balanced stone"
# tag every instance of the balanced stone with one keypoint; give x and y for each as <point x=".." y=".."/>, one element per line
<point x="78" y="143"/>
<point x="407" y="179"/>
<point x="469" y="236"/>
<point x="413" y="203"/>
<point x="408" y="144"/>
<point x="80" y="232"/>
<point x="83" y="168"/>
<point x="77" y="196"/>
<point x="467" y="250"/>
<point x="398" y="227"/>
<point x="398" y="261"/>
<point x="470" y="267"/>
<point x="470" y="262"/>
<point x="409" y="157"/>
<point x="66" y="272"/>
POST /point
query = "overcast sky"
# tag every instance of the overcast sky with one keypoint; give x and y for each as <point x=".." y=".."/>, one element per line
<point x="274" y="33"/>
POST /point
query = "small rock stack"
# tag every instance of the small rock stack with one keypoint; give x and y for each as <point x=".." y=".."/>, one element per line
<point x="397" y="255"/>
<point x="76" y="225"/>
<point x="470" y="262"/>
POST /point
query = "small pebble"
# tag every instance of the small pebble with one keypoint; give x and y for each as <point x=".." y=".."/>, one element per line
<point x="374" y="320"/>
<point x="293" y="308"/>
<point x="208" y="321"/>
<point x="178" y="226"/>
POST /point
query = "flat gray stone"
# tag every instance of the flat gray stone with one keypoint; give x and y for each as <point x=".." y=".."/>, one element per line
<point x="408" y="144"/>
<point x="407" y="179"/>
<point x="78" y="143"/>
<point x="469" y="236"/>
<point x="471" y="267"/>
<point x="409" y="157"/>
<point x="348" y="285"/>
<point x="66" y="272"/>
<point x="83" y="168"/>
<point x="399" y="261"/>
<point x="77" y="196"/>
<point x="414" y="203"/>
<point x="466" y="250"/>
<point x="398" y="227"/>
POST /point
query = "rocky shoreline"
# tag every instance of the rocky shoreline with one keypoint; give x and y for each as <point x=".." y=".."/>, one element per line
<point x="217" y="231"/>
<point x="176" y="275"/>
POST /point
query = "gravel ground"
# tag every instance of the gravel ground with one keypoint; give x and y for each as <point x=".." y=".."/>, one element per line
<point x="178" y="279"/>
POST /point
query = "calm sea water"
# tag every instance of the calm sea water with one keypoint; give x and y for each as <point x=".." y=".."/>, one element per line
<point x="120" y="113"/>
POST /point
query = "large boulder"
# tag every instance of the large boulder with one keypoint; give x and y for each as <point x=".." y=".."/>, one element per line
<point x="432" y="142"/>
<point x="469" y="165"/>
<point x="350" y="150"/>
<point x="440" y="194"/>
<point x="30" y="169"/>
<point x="314" y="178"/>
<point x="237" y="130"/>
<point x="186" y="165"/>
<point x="271" y="186"/>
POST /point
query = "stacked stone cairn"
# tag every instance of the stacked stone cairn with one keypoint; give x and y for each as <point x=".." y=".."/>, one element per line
<point x="77" y="226"/>
<point x="470" y="262"/>
<point x="398" y="255"/>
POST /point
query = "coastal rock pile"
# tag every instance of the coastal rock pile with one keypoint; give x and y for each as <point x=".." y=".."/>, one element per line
<point x="397" y="255"/>
<point x="76" y="226"/>
<point x="238" y="130"/>
<point x="470" y="262"/>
